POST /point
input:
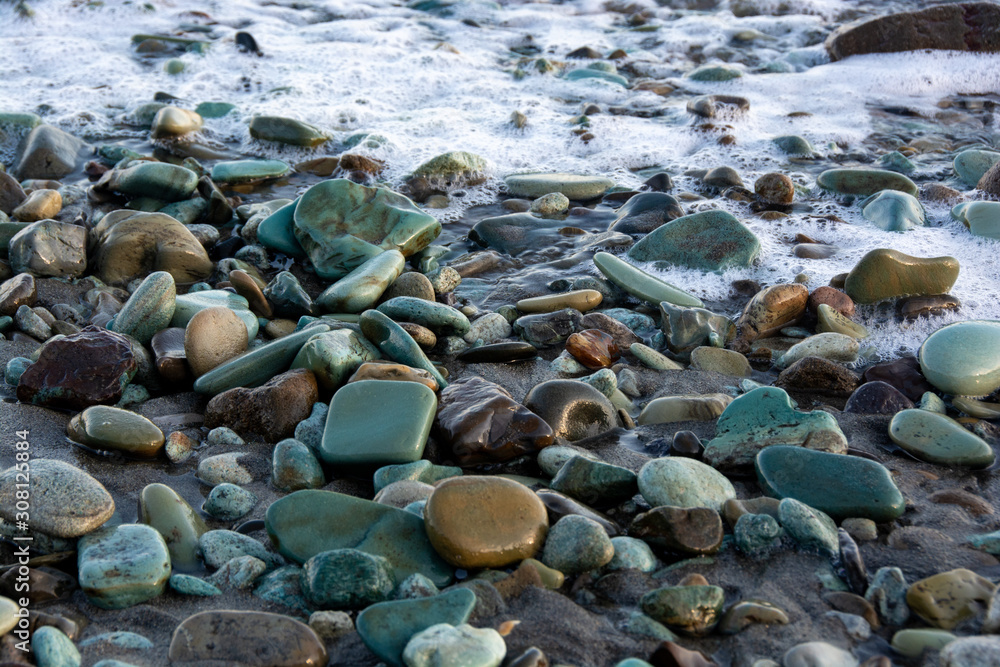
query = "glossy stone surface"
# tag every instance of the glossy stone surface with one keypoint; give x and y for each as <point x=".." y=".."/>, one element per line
<point x="123" y="566"/>
<point x="246" y="638"/>
<point x="710" y="241"/>
<point x="831" y="346"/>
<point x="163" y="509"/>
<point x="692" y="609"/>
<point x="116" y="430"/>
<point x="49" y="248"/>
<point x="946" y="599"/>
<point x="393" y="341"/>
<point x="893" y="211"/>
<point x="695" y="531"/>
<point x="248" y="171"/>
<point x="582" y="300"/>
<point x="334" y="355"/>
<point x="438" y="317"/>
<point x="593" y="348"/>
<point x="576" y="544"/>
<point x="668" y="409"/>
<point x="132" y="245"/>
<point x="272" y="410"/>
<point x="887" y="274"/>
<point x="683" y="482"/>
<point x="689" y="328"/>
<point x="66" y="501"/>
<point x="444" y="644"/>
<point x="864" y="182"/>
<point x="363" y="286"/>
<point x="939" y="439"/>
<point x="574" y="410"/>
<point x="157" y="180"/>
<point x="574" y="186"/>
<point x="594" y="482"/>
<point x="958" y="358"/>
<point x="346" y="578"/>
<point x="18" y="291"/>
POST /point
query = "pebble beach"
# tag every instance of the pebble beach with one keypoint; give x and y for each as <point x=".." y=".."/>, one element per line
<point x="460" y="333"/>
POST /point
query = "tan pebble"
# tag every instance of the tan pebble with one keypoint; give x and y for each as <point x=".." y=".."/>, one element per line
<point x="582" y="300"/>
<point x="280" y="328"/>
<point x="694" y="579"/>
<point x="973" y="503"/>
<point x="247" y="288"/>
<point x="179" y="447"/>
<point x="388" y="370"/>
<point x="40" y="205"/>
<point x="946" y="599"/>
<point x="212" y="337"/>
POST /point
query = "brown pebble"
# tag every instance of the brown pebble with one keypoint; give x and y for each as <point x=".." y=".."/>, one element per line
<point x="18" y="291"/>
<point x="212" y="337"/>
<point x="669" y="654"/>
<point x="818" y="375"/>
<point x="696" y="530"/>
<point x="832" y="297"/>
<point x="168" y="350"/>
<point x="271" y="410"/>
<point x="850" y="603"/>
<point x="248" y="288"/>
<point x="939" y="192"/>
<point x="990" y="182"/>
<point x="774" y="188"/>
<point x="693" y="579"/>
<point x="937" y="304"/>
<point x="977" y="506"/>
<point x="593" y="348"/>
<point x="388" y="370"/>
<point x="524" y="577"/>
<point x="423" y="336"/>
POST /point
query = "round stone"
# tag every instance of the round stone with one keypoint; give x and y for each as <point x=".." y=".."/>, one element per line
<point x="229" y="502"/>
<point x="963" y="358"/>
<point x="65" y="501"/>
<point x="464" y="645"/>
<point x="775" y="189"/>
<point x="577" y="544"/>
<point x="116" y="430"/>
<point x="939" y="439"/>
<point x="684" y="482"/>
<point x="212" y="337"/>
<point x="477" y="521"/>
<point x="574" y="410"/>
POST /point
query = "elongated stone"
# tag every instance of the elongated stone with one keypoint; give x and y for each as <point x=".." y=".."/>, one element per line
<point x="642" y="285"/>
<point x="710" y="241"/>
<point x="123" y="565"/>
<point x="769" y="311"/>
<point x="574" y="186"/>
<point x="766" y="417"/>
<point x="888" y="274"/>
<point x="360" y="289"/>
<point x="396" y="344"/>
<point x="695" y="530"/>
<point x="830" y="320"/>
<point x="939" y="439"/>
<point x="581" y="300"/>
<point x="149" y="309"/>
<point x="864" y="182"/>
<point x="163" y="509"/>
<point x="286" y="131"/>
<point x="248" y="171"/>
<point x="946" y="599"/>
<point x="158" y="180"/>
<point x="115" y="430"/>
<point x="246" y="638"/>
<point x="653" y="359"/>
<point x="437" y="317"/>
<point x="683" y="482"/>
<point x="961" y="358"/>
<point x="830" y="346"/>
<point x="696" y="407"/>
<point x="841" y="486"/>
<point x="170" y="122"/>
<point x="277" y="231"/>
<point x="914" y="641"/>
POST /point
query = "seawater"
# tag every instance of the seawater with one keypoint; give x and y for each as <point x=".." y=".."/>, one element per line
<point x="449" y="79"/>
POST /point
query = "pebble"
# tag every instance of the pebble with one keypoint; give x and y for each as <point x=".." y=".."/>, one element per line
<point x="710" y="241"/>
<point x="818" y="654"/>
<point x="769" y="311"/>
<point x="775" y="188"/>
<point x="889" y="274"/>
<point x="688" y="328"/>
<point x="718" y="360"/>
<point x="912" y="642"/>
<point x="593" y="348"/>
<point x="644" y="212"/>
<point x="229" y="502"/>
<point x="412" y="284"/>
<point x="360" y="289"/>
<point x="547" y="329"/>
<point x="419" y="471"/>
<point x="971" y="652"/>
<point x="971" y="164"/>
<point x="51" y="648"/>
<point x="403" y="493"/>
<point x="234" y="468"/>
<point x="272" y="410"/>
<point x="346" y="578"/>
<point x="66" y="501"/>
<point x="939" y="439"/>
<point x="893" y="211"/>
<point x="744" y="614"/>
<point x="576" y="544"/>
<point x="832" y="321"/>
<point x="445" y="645"/>
<point x="331" y="625"/>
<point x="669" y="409"/>
<point x="212" y="337"/>
<point x="123" y="565"/>
<point x="946" y="599"/>
<point x="757" y="535"/>
<point x="581" y="300"/>
<point x="982" y="218"/>
<point x="438" y="317"/>
<point x="631" y="554"/>
<point x="163" y="509"/>
<point x="574" y="410"/>
<point x="809" y="527"/>
<point x="864" y="182"/>
<point x="683" y="482"/>
<point x="877" y="398"/>
<point x="239" y="573"/>
<point x="640" y="284"/>
<point x="490" y="328"/>
<point x="831" y="346"/>
<point x="396" y="344"/>
<point x="235" y="172"/>
<point x="224" y="436"/>
<point x="40" y="205"/>
<point x="170" y="122"/>
<point x="653" y="359"/>
<point x="694" y="610"/>
<point x="955" y="361"/>
<point x="186" y="584"/>
<point x="818" y="375"/>
<point x="116" y="430"/>
<point x="574" y="186"/>
<point x="294" y="467"/>
<point x="250" y="638"/>
<point x="218" y="547"/>
<point x="499" y="353"/>
<point x="21" y="290"/>
<point x="690" y="531"/>
<point x="334" y="355"/>
<point x="594" y="482"/>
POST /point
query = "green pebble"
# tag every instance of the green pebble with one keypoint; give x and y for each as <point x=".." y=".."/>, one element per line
<point x="574" y="186"/>
<point x="185" y="584"/>
<point x="809" y="527"/>
<point x="294" y="466"/>
<point x="229" y="502"/>
<point x="981" y="217"/>
<point x="893" y="211"/>
<point x="149" y="309"/>
<point x="640" y="284"/>
<point x="346" y="578"/>
<point x="594" y="482"/>
<point x="418" y="471"/>
<point x="163" y="509"/>
<point x="577" y="544"/>
<point x="864" y="182"/>
<point x="51" y="648"/>
<point x="683" y="482"/>
<point x="395" y="343"/>
<point x="935" y="438"/>
<point x="218" y="547"/>
<point x="122" y="566"/>
<point x="709" y="241"/>
<point x="464" y="645"/>
<point x="435" y="316"/>
<point x="631" y="554"/>
<point x="360" y="289"/>
<point x="757" y="535"/>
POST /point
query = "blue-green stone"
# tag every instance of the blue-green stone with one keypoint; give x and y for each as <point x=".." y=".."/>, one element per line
<point x="710" y="241"/>
<point x="640" y="284"/>
<point x="157" y="180"/>
<point x="418" y="471"/>
<point x="396" y="344"/>
<point x="286" y="131"/>
<point x="51" y="648"/>
<point x="234" y="172"/>
<point x="864" y="182"/>
<point x="971" y="164"/>
<point x="163" y="509"/>
<point x="360" y="289"/>
<point x="937" y="438"/>
<point x="334" y="355"/>
<point x="122" y="566"/>
<point x="185" y="584"/>
<point x="981" y="217"/>
<point x="229" y="502"/>
<point x="575" y="186"/>
<point x="294" y="467"/>
<point x="438" y="317"/>
<point x="893" y="211"/>
<point x="277" y="231"/>
<point x="149" y="309"/>
<point x="963" y="358"/>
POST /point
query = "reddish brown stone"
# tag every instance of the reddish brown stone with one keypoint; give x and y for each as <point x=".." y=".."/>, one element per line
<point x="822" y="376"/>
<point x="593" y="348"/>
<point x="271" y="410"/>
<point x="247" y="288"/>
<point x="832" y="297"/>
<point x="775" y="188"/>
<point x="482" y="423"/>
<point x="903" y="374"/>
<point x="695" y="530"/>
<point x="877" y="398"/>
<point x="168" y="348"/>
<point x="16" y="292"/>
<point x="937" y="304"/>
<point x="670" y="654"/>
<point x="622" y="335"/>
<point x="84" y="369"/>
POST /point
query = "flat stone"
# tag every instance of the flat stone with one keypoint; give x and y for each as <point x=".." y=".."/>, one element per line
<point x="232" y="468"/>
<point x="360" y="289"/>
<point x="156" y="180"/>
<point x="360" y="431"/>
<point x="574" y="410"/>
<point x="971" y="652"/>
<point x="387" y="370"/>
<point x="864" y="182"/>
<point x="653" y="359"/>
<point x="691" y="531"/>
<point x="957" y="358"/>
<point x="640" y="284"/>
<point x="396" y="344"/>
<point x="932" y="306"/>
<point x="946" y="599"/>
<point x="683" y="482"/>
<point x="581" y="300"/>
<point x="132" y="245"/>
<point x="710" y="241"/>
<point x="247" y="639"/>
<point x="308" y="522"/>
<point x="444" y="644"/>
<point x="719" y="360"/>
<point x="446" y="172"/>
<point x="419" y="471"/>
<point x="122" y="566"/>
<point x="594" y="482"/>
<point x="346" y="578"/>
<point x="939" y="439"/>
<point x="744" y="614"/>
<point x="817" y="375"/>
<point x="272" y="410"/>
<point x="576" y="544"/>
<point x="878" y="398"/>
<point x="277" y="231"/>
<point x="830" y="346"/>
<point x="644" y="212"/>
<point x="49" y="248"/>
<point x="841" y="486"/>
<point x="477" y="521"/>
<point x="286" y="131"/>
<point x="888" y="274"/>
<point x="693" y="610"/>
<point x="912" y="642"/>
<point x="163" y="509"/>
<point x="185" y="584"/>
<point x="65" y="500"/>
<point x="547" y="329"/>
<point x="982" y="218"/>
<point x="766" y="417"/>
<point x="499" y="353"/>
<point x="234" y="172"/>
<point x="893" y="211"/>
<point x="669" y="409"/>
<point x="115" y="430"/>
<point x="809" y="527"/>
<point x="576" y="187"/>
<point x="334" y="355"/>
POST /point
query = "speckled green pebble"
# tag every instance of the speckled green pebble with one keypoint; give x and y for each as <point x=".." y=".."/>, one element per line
<point x="218" y="547"/>
<point x="709" y="241"/>
<point x="149" y="309"/>
<point x="229" y="502"/>
<point x="346" y="578"/>
<point x="939" y="439"/>
<point x="248" y="171"/>
<point x="887" y="593"/>
<point x="185" y="584"/>
<point x="864" y="182"/>
<point x="757" y="535"/>
<point x="963" y="358"/>
<point x="631" y="554"/>
<point x="123" y="565"/>
<point x="577" y="544"/>
<point x="683" y="482"/>
<point x="445" y="645"/>
<point x="574" y="186"/>
<point x="334" y="355"/>
<point x="691" y="609"/>
<point x="65" y="501"/>
<point x="435" y="316"/>
<point x="809" y="527"/>
<point x="163" y="509"/>
<point x="294" y="467"/>
<point x="51" y="648"/>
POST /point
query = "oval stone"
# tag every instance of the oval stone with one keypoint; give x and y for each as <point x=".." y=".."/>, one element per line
<point x="939" y="439"/>
<point x="962" y="358"/>
<point x="864" y="182"/>
<point x="683" y="482"/>
<point x="113" y="429"/>
<point x="213" y="337"/>
<point x="65" y="501"/>
<point x="246" y="638"/>
<point x="574" y="410"/>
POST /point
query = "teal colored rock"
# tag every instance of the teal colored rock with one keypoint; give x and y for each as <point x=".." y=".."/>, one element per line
<point x="686" y="329"/>
<point x="633" y="662"/>
<point x="185" y="584"/>
<point x="287" y="297"/>
<point x="757" y="535"/>
<point x="294" y="467"/>
<point x="715" y="73"/>
<point x="163" y="509"/>
<point x="341" y="224"/>
<point x="186" y="305"/>
<point x="710" y="241"/>
<point x="887" y="593"/>
<point x="828" y="345"/>
<point x="939" y="439"/>
<point x="277" y="232"/>
<point x="360" y="431"/>
<point x="286" y="131"/>
<point x="864" y="182"/>
<point x="229" y="502"/>
<point x="587" y="73"/>
<point x="683" y="482"/>
<point x="396" y="344"/>
<point x="642" y="285"/>
<point x="809" y="527"/>
<point x="464" y="645"/>
<point x="257" y="366"/>
<point x="346" y="579"/>
<point x="963" y="358"/>
<point x="214" y="109"/>
<point x="305" y="523"/>
<point x="309" y="431"/>
<point x="988" y="542"/>
<point x="794" y="145"/>
<point x="158" y="180"/>
<point x="218" y="547"/>
<point x="894" y="211"/>
<point x="839" y="485"/>
<point x="577" y="544"/>
<point x="239" y="573"/>
<point x="594" y="482"/>
<point x="981" y="217"/>
<point x="334" y="355"/>
<point x="123" y="565"/>
<point x="130" y="641"/>
<point x="575" y="186"/>
<point x="971" y="164"/>
<point x="51" y="648"/>
<point x="284" y="586"/>
<point x="187" y="212"/>
<point x="418" y="471"/>
<point x="642" y="625"/>
<point x="765" y="417"/>
<point x="149" y="309"/>
<point x="387" y="627"/>
<point x="896" y="161"/>
<point x="693" y="609"/>
<point x="235" y="172"/>
<point x="631" y="554"/>
<point x="360" y="289"/>
<point x="438" y="317"/>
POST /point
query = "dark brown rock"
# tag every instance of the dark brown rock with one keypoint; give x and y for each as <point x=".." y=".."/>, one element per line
<point x="80" y="370"/>
<point x="822" y="376"/>
<point x="669" y="654"/>
<point x="974" y="504"/>
<point x="271" y="410"/>
<point x="970" y="26"/>
<point x="574" y="410"/>
<point x="937" y="304"/>
<point x="559" y="505"/>
<point x="499" y="353"/>
<point x="621" y="334"/>
<point x="877" y="398"/>
<point x="718" y="106"/>
<point x="247" y="288"/>
<point x="695" y="530"/>
<point x="644" y="212"/>
<point x="832" y="297"/>
<point x="849" y="603"/>
<point x="44" y="584"/>
<point x="593" y="348"/>
<point x="168" y="349"/>
<point x="687" y="443"/>
<point x="903" y="374"/>
<point x="246" y="638"/>
<point x="16" y="292"/>
<point x="482" y="423"/>
<point x="774" y="188"/>
<point x="11" y="193"/>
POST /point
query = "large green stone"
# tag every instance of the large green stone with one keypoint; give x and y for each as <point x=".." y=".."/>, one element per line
<point x="574" y="186"/>
<point x="158" y="180"/>
<point x="334" y="355"/>
<point x="971" y="164"/>
<point x="981" y="217"/>
<point x="340" y="224"/>
<point x="360" y="289"/>
<point x="360" y="430"/>
<point x="309" y="522"/>
<point x="642" y="285"/>
<point x="939" y="439"/>
<point x="839" y="485"/>
<point x="346" y="578"/>
<point x="286" y="131"/>
<point x="248" y="171"/>
<point x="682" y="482"/>
<point x="710" y="241"/>
<point x="149" y="309"/>
<point x="884" y="273"/>
<point x="864" y="182"/>
<point x="181" y="527"/>
<point x="963" y="358"/>
<point x="122" y="566"/>
<point x="277" y="232"/>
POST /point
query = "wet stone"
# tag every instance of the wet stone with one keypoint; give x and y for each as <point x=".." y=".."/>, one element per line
<point x="594" y="482"/>
<point x="710" y="241"/>
<point x="49" y="248"/>
<point x="251" y="638"/>
<point x="644" y="212"/>
<point x="809" y="527"/>
<point x="939" y="439"/>
<point x="272" y="410"/>
<point x="688" y="328"/>
<point x="814" y="374"/>
<point x="693" y="610"/>
<point x="294" y="466"/>
<point x="904" y="374"/>
<point x="576" y="544"/>
<point x="953" y="358"/>
<point x="547" y="329"/>
<point x="574" y="410"/>
<point x="757" y="535"/>
<point x="18" y="291"/>
<point x="163" y="509"/>
<point x="445" y="644"/>
<point x="346" y="578"/>
<point x="333" y="355"/>
<point x="116" y="430"/>
<point x="744" y="614"/>
<point x="683" y="482"/>
<point x="886" y="274"/>
<point x="593" y="348"/>
<point x="694" y="531"/>
<point x="52" y="648"/>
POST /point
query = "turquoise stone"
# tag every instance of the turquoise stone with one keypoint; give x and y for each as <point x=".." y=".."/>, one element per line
<point x="359" y="430"/>
<point x="185" y="584"/>
<point x="286" y="131"/>
<point x="122" y="566"/>
<point x="396" y="344"/>
<point x="587" y="73"/>
<point x="51" y="648"/>
<point x="765" y="417"/>
<point x="809" y="527"/>
<point x="158" y="180"/>
<point x="683" y="482"/>
<point x="893" y="211"/>
<point x="149" y="309"/>
<point x="642" y="285"/>
<point x="839" y="485"/>
<point x="234" y="172"/>
<point x="418" y="471"/>
<point x="386" y="627"/>
<point x="308" y="522"/>
<point x="594" y="481"/>
<point x="334" y="355"/>
<point x="963" y="358"/>
<point x="988" y="542"/>
<point x="438" y="317"/>
<point x="981" y="217"/>
<point x="163" y="509"/>
<point x="574" y="186"/>
<point x="257" y="366"/>
<point x="294" y="467"/>
<point x="939" y="439"/>
<point x="864" y="182"/>
<point x="464" y="645"/>
<point x="131" y="641"/>
<point x="277" y="232"/>
<point x="341" y="224"/>
<point x="710" y="241"/>
<point x="346" y="578"/>
<point x="186" y="305"/>
<point x="577" y="544"/>
<point x="631" y="554"/>
<point x="284" y="586"/>
<point x="971" y="164"/>
<point x="360" y="289"/>
<point x="214" y="109"/>
<point x="715" y="73"/>
<point x="218" y="547"/>
<point x="229" y="502"/>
